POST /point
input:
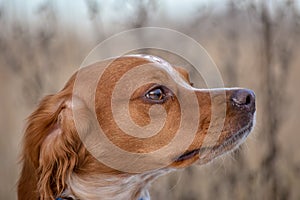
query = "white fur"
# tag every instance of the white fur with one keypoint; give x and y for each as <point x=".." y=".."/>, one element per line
<point x="112" y="187"/>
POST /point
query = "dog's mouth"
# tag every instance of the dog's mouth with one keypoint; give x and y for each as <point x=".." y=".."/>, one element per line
<point x="236" y="139"/>
<point x="188" y="155"/>
<point x="229" y="143"/>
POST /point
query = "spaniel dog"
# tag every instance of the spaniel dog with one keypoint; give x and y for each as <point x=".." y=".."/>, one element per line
<point x="120" y="123"/>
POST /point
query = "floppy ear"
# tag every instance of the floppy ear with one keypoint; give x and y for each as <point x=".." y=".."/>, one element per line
<point x="58" y="154"/>
<point x="51" y="148"/>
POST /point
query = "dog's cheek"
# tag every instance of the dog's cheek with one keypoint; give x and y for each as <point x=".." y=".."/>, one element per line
<point x="139" y="112"/>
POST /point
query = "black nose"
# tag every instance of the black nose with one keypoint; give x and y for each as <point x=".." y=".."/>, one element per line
<point x="244" y="99"/>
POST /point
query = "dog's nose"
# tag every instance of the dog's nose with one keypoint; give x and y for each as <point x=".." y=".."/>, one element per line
<point x="244" y="99"/>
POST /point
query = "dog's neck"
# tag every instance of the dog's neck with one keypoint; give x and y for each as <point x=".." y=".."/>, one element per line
<point x="110" y="187"/>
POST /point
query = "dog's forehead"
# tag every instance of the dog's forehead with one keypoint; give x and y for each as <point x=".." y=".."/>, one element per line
<point x="160" y="69"/>
<point x="153" y="59"/>
<point x="158" y="64"/>
<point x="129" y="62"/>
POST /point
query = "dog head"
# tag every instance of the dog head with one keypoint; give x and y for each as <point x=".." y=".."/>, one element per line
<point x="132" y="114"/>
<point x="149" y="109"/>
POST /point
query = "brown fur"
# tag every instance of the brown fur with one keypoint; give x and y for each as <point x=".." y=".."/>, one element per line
<point x="56" y="163"/>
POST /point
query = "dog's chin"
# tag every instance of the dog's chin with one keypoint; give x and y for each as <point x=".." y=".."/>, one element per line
<point x="207" y="154"/>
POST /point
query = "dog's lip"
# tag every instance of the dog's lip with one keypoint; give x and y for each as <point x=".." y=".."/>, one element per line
<point x="232" y="140"/>
<point x="240" y="135"/>
<point x="192" y="153"/>
<point x="188" y="155"/>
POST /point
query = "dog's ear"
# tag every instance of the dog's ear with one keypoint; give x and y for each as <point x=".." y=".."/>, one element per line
<point x="58" y="152"/>
<point x="52" y="145"/>
<point x="184" y="74"/>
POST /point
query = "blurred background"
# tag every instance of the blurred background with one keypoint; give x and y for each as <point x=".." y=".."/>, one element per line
<point x="255" y="44"/>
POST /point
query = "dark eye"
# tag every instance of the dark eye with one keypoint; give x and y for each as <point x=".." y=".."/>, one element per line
<point x="156" y="94"/>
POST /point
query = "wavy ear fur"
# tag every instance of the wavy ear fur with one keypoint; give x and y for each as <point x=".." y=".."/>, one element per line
<point x="51" y="149"/>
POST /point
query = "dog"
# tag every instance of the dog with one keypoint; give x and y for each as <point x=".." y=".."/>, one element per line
<point x="144" y="106"/>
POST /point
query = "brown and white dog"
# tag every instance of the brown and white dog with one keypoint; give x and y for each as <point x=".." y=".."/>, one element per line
<point x="179" y="125"/>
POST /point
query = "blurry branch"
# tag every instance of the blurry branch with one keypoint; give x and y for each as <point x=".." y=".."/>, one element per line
<point x="138" y="18"/>
<point x="143" y="9"/>
<point x="141" y="12"/>
<point x="275" y="78"/>
<point x="38" y="67"/>
<point x="203" y="18"/>
<point x="1" y="12"/>
<point x="47" y="29"/>
<point x="232" y="38"/>
<point x="19" y="49"/>
<point x="268" y="77"/>
<point x="94" y="10"/>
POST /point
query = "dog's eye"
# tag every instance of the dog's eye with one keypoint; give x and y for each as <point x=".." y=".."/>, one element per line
<point x="156" y="94"/>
